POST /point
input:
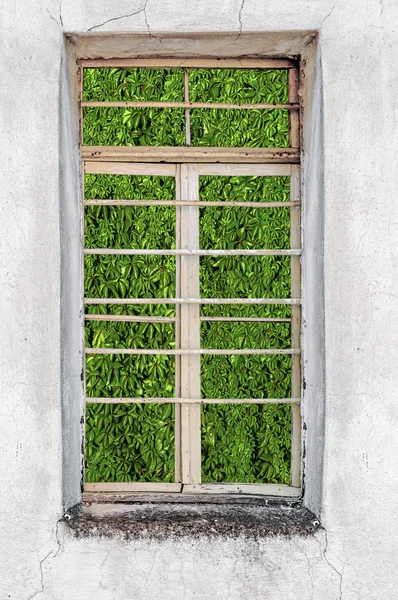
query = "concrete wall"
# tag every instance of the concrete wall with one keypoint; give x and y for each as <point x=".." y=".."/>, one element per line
<point x="350" y="170"/>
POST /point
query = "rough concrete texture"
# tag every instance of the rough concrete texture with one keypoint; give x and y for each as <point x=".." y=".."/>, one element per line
<point x="174" y="520"/>
<point x="355" y="557"/>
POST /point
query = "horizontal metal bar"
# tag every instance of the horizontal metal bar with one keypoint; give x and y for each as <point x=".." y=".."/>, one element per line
<point x="266" y="489"/>
<point x="132" y="486"/>
<point x="192" y="301"/>
<point x="201" y="204"/>
<point x="193" y="63"/>
<point x="193" y="400"/>
<point x="179" y="352"/>
<point x="130" y="318"/>
<point x="246" y="319"/>
<point x="218" y="105"/>
<point x="188" y="252"/>
<point x="96" y="156"/>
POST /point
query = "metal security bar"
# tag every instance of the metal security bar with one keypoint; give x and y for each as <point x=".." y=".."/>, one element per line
<point x="186" y="105"/>
<point x="151" y="319"/>
<point x="190" y="203"/>
<point x="191" y="351"/>
<point x="186" y="164"/>
<point x="130" y="318"/>
<point x="190" y="252"/>
<point x="193" y="400"/>
<point x="192" y="301"/>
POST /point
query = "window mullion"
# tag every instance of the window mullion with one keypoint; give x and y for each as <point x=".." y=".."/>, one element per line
<point x="190" y="328"/>
<point x="177" y="390"/>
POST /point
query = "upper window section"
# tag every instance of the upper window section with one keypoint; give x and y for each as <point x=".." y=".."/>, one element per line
<point x="213" y="107"/>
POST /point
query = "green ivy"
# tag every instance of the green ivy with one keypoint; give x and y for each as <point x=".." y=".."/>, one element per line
<point x="238" y="86"/>
<point x="127" y="187"/>
<point x="233" y="128"/>
<point x="135" y="442"/>
<point x="129" y="442"/>
<point x="166" y="126"/>
<point x="130" y="375"/>
<point x="243" y="443"/>
<point x="245" y="228"/>
<point x="239" y="128"/>
<point x="133" y="126"/>
<point x="148" y="85"/>
<point x="246" y="444"/>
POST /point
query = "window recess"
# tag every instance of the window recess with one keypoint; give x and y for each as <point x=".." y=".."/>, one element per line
<point x="208" y="239"/>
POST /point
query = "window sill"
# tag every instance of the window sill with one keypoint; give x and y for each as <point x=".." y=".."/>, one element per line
<point x="196" y="516"/>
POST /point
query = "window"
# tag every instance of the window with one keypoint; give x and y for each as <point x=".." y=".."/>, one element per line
<point x="192" y="275"/>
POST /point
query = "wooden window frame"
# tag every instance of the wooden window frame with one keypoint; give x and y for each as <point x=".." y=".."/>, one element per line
<point x="186" y="164"/>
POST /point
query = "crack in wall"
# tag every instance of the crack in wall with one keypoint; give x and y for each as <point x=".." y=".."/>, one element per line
<point x="57" y="539"/>
<point x="137" y="12"/>
<point x="339" y="573"/>
<point x="58" y="22"/>
<point x="329" y="13"/>
<point x="240" y="17"/>
<point x="309" y="567"/>
<point x="43" y="560"/>
<point x="41" y="590"/>
<point x="146" y="18"/>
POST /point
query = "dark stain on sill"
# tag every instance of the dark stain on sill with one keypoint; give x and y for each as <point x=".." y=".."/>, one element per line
<point x="195" y="520"/>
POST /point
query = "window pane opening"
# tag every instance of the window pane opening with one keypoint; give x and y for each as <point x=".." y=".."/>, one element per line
<point x="192" y="313"/>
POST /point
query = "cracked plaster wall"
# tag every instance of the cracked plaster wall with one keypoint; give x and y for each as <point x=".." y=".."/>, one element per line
<point x="355" y="557"/>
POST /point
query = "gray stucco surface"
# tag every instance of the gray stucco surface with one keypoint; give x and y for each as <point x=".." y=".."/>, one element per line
<point x="351" y="170"/>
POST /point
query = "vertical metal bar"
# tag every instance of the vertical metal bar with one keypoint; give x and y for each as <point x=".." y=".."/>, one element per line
<point x="177" y="407"/>
<point x="187" y="113"/>
<point x="190" y="329"/>
<point x="294" y="114"/>
<point x="295" y="265"/>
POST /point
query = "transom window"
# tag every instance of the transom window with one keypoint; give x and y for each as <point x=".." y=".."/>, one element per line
<point x="192" y="276"/>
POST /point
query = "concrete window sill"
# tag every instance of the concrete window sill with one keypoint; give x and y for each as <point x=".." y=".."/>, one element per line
<point x="151" y="517"/>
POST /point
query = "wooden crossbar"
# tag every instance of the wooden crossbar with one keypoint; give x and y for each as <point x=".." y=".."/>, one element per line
<point x="191" y="63"/>
<point x="97" y="156"/>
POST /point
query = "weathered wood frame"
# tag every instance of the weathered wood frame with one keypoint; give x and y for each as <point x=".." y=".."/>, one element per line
<point x="186" y="164"/>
